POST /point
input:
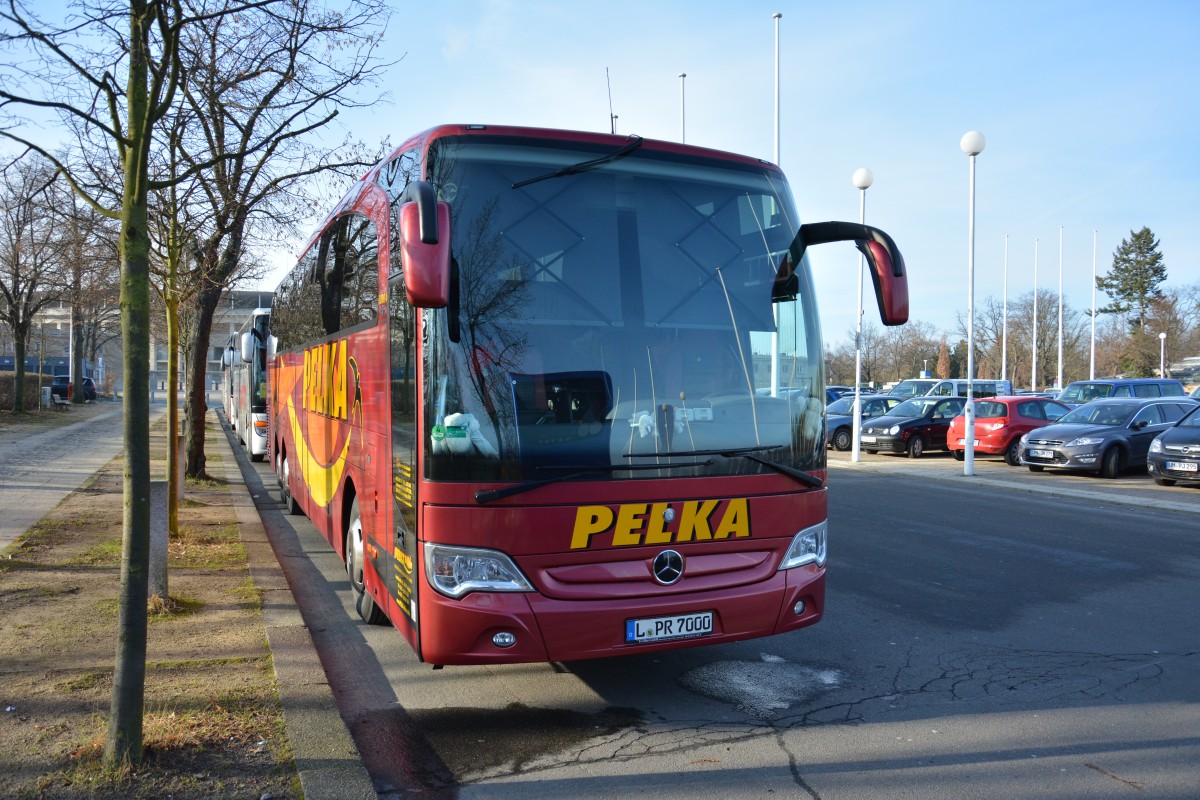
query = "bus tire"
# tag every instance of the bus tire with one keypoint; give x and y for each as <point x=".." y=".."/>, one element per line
<point x="364" y="604"/>
<point x="257" y="456"/>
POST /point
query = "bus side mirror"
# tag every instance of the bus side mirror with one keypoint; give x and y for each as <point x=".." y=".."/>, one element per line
<point x="227" y="357"/>
<point x="272" y="346"/>
<point x="425" y="246"/>
<point x="884" y="261"/>
<point x="247" y="347"/>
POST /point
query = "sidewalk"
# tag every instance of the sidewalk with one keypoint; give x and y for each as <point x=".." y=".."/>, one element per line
<point x="324" y="753"/>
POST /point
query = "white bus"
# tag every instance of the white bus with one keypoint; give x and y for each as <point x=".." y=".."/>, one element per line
<point x="247" y="389"/>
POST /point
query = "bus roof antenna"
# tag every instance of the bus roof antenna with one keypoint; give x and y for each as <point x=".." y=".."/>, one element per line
<point x="612" y="118"/>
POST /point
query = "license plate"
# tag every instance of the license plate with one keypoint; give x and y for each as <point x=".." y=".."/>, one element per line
<point x="1183" y="466"/>
<point x="867" y="439"/>
<point x="963" y="442"/>
<point x="658" y="629"/>
<point x="1041" y="454"/>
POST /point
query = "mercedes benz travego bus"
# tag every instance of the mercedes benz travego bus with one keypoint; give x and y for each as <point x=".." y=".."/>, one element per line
<point x="555" y="395"/>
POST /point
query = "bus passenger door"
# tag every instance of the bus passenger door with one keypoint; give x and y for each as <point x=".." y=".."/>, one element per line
<point x="402" y="325"/>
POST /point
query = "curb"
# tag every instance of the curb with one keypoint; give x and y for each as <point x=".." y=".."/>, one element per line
<point x="325" y="756"/>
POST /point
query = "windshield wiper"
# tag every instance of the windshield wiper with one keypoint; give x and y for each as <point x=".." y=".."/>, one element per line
<point x="584" y="166"/>
<point x="750" y="453"/>
<point x="487" y="495"/>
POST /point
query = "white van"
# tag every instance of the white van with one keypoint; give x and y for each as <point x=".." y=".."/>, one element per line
<point x="951" y="387"/>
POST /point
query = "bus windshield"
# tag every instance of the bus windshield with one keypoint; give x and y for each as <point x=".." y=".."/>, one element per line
<point x="622" y="322"/>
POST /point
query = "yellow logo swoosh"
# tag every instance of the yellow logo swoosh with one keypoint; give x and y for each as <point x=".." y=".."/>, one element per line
<point x="322" y="481"/>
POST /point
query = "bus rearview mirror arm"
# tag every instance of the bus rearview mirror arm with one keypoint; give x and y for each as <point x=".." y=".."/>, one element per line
<point x="425" y="246"/>
<point x="884" y="260"/>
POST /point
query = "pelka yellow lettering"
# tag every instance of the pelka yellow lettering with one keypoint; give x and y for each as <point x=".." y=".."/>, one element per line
<point x="589" y="520"/>
<point x="693" y="521"/>
<point x="325" y="378"/>
<point x="657" y="533"/>
<point x="736" y="521"/>
<point x="630" y="519"/>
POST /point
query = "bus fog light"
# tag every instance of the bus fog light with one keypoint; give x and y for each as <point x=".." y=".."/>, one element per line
<point x="799" y="608"/>
<point x="506" y="639"/>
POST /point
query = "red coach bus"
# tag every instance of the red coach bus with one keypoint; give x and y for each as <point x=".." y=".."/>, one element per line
<point x="557" y="395"/>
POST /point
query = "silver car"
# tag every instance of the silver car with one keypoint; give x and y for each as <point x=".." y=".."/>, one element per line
<point x="1104" y="436"/>
<point x="839" y="416"/>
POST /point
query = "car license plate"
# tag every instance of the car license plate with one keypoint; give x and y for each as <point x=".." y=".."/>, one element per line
<point x="1182" y="466"/>
<point x="867" y="439"/>
<point x="658" y="629"/>
<point x="963" y="442"/>
<point x="1041" y="454"/>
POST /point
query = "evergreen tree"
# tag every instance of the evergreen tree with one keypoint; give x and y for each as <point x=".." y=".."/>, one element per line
<point x="1133" y="281"/>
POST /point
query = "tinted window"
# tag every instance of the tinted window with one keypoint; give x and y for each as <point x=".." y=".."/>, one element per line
<point x="1171" y="412"/>
<point x="993" y="410"/>
<point x="1151" y="415"/>
<point x="1052" y="410"/>
<point x="1147" y="390"/>
<point x="1030" y="409"/>
<point x="948" y="409"/>
<point x="1121" y="391"/>
<point x="1101" y="414"/>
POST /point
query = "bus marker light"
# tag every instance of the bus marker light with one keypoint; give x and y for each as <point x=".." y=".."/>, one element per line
<point x="504" y="639"/>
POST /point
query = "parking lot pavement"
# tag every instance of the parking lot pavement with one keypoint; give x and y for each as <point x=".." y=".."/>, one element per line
<point x="1131" y="488"/>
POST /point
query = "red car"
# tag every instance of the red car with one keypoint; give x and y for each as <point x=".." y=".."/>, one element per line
<point x="1001" y="421"/>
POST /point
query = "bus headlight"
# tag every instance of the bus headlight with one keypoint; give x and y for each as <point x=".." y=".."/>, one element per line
<point x="458" y="571"/>
<point x="808" y="547"/>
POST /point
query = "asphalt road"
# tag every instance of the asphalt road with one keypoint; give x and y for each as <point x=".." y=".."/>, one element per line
<point x="984" y="637"/>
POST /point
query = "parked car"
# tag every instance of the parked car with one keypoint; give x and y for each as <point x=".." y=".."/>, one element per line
<point x="1175" y="453"/>
<point x="1000" y="422"/>
<point x="1080" y="392"/>
<point x="61" y="386"/>
<point x="1104" y="436"/>
<point x="912" y="427"/>
<point x="1195" y="392"/>
<point x="839" y="417"/>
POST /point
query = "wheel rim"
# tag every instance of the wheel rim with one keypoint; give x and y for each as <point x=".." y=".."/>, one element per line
<point x="354" y="554"/>
<point x="841" y="440"/>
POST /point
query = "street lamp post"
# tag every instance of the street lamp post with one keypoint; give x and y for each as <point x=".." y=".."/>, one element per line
<point x="682" y="110"/>
<point x="1004" y="319"/>
<point x="1058" y="383"/>
<point x="1092" y="359"/>
<point x="776" y="16"/>
<point x="972" y="143"/>
<point x="1033" y="384"/>
<point x="1162" y="355"/>
<point x="862" y="179"/>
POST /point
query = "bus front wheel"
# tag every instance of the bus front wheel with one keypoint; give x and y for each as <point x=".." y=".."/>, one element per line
<point x="371" y="613"/>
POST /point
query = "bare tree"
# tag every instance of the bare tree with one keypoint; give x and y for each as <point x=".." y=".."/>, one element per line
<point x="30" y="259"/>
<point x="253" y="113"/>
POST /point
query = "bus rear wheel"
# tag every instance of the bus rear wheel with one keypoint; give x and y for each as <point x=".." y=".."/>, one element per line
<point x="364" y="604"/>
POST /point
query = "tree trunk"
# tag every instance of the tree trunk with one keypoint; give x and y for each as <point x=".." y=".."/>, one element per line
<point x="123" y="743"/>
<point x="20" y="335"/>
<point x="197" y="400"/>
<point x="173" y="488"/>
